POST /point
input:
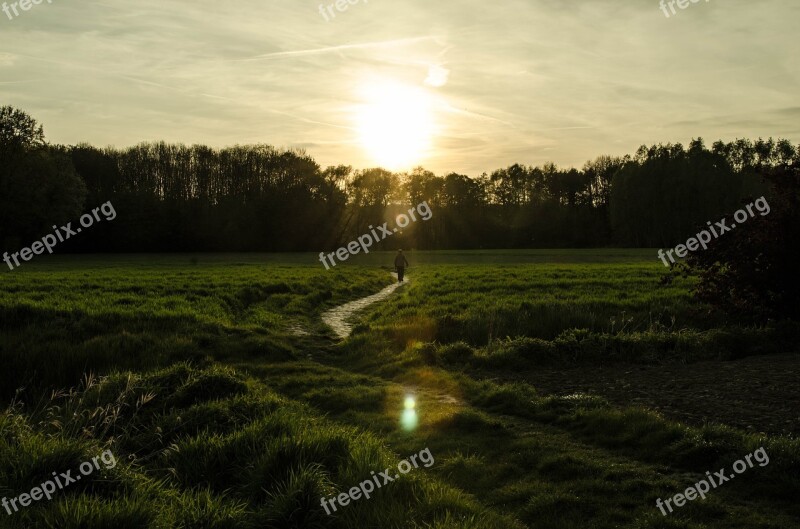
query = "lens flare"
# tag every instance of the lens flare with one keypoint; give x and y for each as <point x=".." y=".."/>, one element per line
<point x="409" y="420"/>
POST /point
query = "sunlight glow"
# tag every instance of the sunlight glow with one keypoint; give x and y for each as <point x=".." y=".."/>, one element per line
<point x="395" y="124"/>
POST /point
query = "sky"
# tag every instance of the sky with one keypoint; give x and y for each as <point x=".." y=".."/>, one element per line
<point x="467" y="86"/>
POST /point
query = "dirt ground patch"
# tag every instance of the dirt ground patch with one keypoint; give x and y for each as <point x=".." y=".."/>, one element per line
<point x="756" y="394"/>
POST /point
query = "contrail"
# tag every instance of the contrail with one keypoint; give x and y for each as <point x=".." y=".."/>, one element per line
<point x="329" y="49"/>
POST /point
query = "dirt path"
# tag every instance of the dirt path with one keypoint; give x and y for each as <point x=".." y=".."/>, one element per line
<point x="760" y="393"/>
<point x="338" y="318"/>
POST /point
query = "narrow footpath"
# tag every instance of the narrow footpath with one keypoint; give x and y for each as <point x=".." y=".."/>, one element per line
<point x="340" y="318"/>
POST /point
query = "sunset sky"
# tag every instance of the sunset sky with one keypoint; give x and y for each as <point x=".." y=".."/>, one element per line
<point x="466" y="86"/>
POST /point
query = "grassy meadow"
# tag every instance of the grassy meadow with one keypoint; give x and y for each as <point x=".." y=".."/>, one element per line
<point x="228" y="404"/>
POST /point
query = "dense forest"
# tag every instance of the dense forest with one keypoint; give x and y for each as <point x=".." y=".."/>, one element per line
<point x="178" y="198"/>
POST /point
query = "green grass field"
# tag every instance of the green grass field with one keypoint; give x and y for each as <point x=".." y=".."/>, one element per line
<point x="227" y="402"/>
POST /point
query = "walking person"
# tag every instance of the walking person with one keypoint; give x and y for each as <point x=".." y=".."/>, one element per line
<point x="400" y="264"/>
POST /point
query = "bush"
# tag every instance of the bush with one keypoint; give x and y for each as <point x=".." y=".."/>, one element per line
<point x="750" y="272"/>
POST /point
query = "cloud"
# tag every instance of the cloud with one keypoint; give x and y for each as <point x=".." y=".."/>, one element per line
<point x="7" y="59"/>
<point x="531" y="81"/>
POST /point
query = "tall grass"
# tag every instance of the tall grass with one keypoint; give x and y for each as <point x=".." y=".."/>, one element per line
<point x="101" y="314"/>
<point x="200" y="444"/>
<point x="518" y="316"/>
<point x="207" y="448"/>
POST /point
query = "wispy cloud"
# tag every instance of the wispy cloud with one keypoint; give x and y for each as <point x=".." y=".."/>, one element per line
<point x="339" y="48"/>
<point x="521" y="81"/>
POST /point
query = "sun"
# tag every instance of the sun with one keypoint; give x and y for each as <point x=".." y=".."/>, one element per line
<point x="395" y="124"/>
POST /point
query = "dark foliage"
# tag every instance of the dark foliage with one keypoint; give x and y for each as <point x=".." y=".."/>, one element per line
<point x="751" y="272"/>
<point x="178" y="198"/>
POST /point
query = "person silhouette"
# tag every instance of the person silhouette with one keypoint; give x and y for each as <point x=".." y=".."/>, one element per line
<point x="400" y="264"/>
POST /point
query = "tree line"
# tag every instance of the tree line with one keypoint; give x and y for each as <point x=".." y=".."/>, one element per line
<point x="179" y="198"/>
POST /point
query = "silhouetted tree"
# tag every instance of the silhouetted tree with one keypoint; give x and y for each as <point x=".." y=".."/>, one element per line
<point x="173" y="197"/>
<point x="38" y="183"/>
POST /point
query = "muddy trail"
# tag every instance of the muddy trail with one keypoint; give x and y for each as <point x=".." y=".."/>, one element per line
<point x="340" y="318"/>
